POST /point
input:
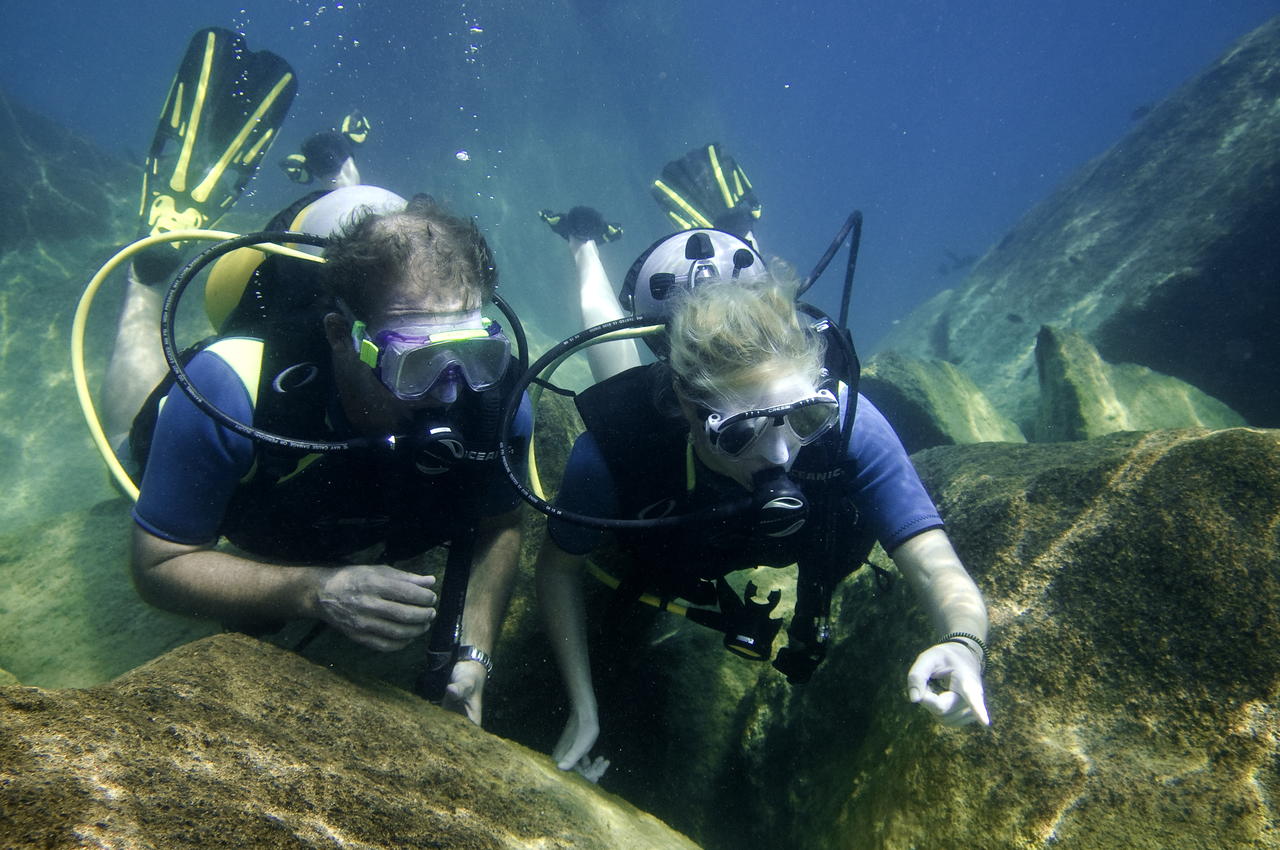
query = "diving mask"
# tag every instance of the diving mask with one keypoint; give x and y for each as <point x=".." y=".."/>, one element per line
<point x="809" y="418"/>
<point x="413" y="358"/>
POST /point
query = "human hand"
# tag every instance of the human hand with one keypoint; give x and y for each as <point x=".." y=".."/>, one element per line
<point x="571" y="751"/>
<point x="376" y="605"/>
<point x="465" y="691"/>
<point x="956" y="669"/>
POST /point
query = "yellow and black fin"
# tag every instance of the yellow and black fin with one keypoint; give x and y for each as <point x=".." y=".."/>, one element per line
<point x="355" y="127"/>
<point x="223" y="111"/>
<point x="707" y="188"/>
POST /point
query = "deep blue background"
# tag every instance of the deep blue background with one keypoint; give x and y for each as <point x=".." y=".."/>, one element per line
<point x="943" y="121"/>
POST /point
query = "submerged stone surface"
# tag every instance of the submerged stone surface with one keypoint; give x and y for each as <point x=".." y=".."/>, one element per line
<point x="229" y="742"/>
<point x="1134" y="589"/>
<point x="1083" y="396"/>
<point x="1162" y="252"/>
<point x="932" y="403"/>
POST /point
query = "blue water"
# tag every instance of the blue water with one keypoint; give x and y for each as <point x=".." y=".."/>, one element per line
<point x="943" y="121"/>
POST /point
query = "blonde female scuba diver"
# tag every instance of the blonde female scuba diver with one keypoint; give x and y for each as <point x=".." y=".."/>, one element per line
<point x="745" y="426"/>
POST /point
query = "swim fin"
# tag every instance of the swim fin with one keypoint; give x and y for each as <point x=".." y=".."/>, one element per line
<point x="707" y="188"/>
<point x="223" y="111"/>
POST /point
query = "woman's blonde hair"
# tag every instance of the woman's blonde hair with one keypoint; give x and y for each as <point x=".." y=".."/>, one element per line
<point x="728" y="338"/>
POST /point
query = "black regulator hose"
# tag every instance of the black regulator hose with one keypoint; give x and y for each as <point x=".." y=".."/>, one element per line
<point x="855" y="241"/>
<point x="852" y="223"/>
<point x="168" y="317"/>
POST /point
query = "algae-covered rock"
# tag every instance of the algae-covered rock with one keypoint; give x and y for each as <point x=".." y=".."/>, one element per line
<point x="1082" y="396"/>
<point x="1134" y="589"/>
<point x="1162" y="252"/>
<point x="932" y="403"/>
<point x="229" y="742"/>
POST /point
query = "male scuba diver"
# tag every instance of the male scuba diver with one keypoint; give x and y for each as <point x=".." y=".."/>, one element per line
<point x="746" y="444"/>
<point x="342" y="421"/>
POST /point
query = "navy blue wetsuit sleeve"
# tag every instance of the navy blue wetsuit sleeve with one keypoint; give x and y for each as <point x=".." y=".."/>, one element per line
<point x="497" y="495"/>
<point x="587" y="488"/>
<point x="886" y="487"/>
<point x="195" y="463"/>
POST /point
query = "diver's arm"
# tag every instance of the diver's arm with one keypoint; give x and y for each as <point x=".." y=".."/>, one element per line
<point x="493" y="572"/>
<point x="599" y="304"/>
<point x="373" y="604"/>
<point x="559" y="582"/>
<point x="954" y="604"/>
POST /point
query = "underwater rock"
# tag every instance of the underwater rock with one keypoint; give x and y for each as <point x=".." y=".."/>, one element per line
<point x="54" y="183"/>
<point x="65" y="209"/>
<point x="1082" y="396"/>
<point x="1135" y="602"/>
<point x="230" y="742"/>
<point x="1161" y="252"/>
<point x="71" y="615"/>
<point x="932" y="403"/>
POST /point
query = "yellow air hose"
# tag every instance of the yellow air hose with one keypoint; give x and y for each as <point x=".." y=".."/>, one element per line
<point x="81" y="320"/>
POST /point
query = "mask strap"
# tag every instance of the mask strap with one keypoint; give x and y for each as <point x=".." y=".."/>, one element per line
<point x="365" y="347"/>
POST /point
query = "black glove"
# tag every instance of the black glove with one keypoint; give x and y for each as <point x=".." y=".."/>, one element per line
<point x="581" y="223"/>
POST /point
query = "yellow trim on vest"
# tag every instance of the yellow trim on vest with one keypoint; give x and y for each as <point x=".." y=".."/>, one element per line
<point x="231" y="273"/>
<point x="227" y="281"/>
<point x="303" y="463"/>
<point x="244" y="356"/>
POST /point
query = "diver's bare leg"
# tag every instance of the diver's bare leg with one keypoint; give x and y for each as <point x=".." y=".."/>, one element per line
<point x="137" y="362"/>
<point x="599" y="304"/>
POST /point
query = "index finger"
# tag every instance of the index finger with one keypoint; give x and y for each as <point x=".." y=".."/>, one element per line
<point x="972" y="692"/>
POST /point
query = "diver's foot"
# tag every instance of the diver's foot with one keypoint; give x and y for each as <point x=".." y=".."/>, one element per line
<point x="583" y="223"/>
<point x="156" y="264"/>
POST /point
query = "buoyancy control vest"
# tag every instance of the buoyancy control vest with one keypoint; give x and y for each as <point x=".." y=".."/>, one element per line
<point x="647" y="448"/>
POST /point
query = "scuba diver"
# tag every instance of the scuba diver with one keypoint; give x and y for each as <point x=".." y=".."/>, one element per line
<point x="745" y="444"/>
<point x="343" y="419"/>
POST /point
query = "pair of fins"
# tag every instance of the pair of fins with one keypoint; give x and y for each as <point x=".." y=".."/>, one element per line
<point x="223" y="111"/>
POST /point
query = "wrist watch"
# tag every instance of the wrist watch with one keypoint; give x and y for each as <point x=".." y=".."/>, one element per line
<point x="478" y="655"/>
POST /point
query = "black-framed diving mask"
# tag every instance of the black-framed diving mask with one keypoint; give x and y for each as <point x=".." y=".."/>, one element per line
<point x="808" y="419"/>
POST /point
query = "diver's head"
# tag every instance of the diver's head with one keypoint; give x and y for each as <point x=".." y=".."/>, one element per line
<point x="747" y="371"/>
<point x="684" y="261"/>
<point x="407" y="332"/>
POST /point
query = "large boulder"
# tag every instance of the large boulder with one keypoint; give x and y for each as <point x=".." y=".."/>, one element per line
<point x="1083" y="396"/>
<point x="1134" y="594"/>
<point x="1161" y="252"/>
<point x="932" y="403"/>
<point x="230" y="742"/>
